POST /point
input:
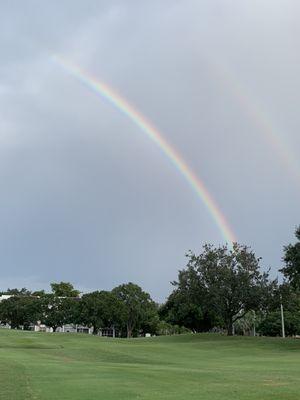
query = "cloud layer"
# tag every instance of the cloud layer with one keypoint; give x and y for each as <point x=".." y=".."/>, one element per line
<point x="85" y="196"/>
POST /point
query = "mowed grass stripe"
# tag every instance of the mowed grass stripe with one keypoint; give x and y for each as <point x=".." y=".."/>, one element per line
<point x="14" y="382"/>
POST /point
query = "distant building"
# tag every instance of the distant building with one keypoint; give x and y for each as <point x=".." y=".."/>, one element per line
<point x="5" y="296"/>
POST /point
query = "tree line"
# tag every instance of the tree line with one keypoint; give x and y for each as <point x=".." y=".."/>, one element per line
<point x="127" y="308"/>
<point x="222" y="288"/>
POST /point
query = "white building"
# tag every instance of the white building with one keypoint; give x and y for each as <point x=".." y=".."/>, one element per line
<point x="4" y="296"/>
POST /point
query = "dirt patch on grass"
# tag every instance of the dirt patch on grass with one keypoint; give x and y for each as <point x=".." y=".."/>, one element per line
<point x="273" y="383"/>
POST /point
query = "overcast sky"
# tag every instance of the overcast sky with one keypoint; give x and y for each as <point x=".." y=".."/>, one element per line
<point x="85" y="195"/>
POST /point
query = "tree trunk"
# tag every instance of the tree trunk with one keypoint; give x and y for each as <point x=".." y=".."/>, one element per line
<point x="129" y="331"/>
<point x="230" y="327"/>
<point x="95" y="330"/>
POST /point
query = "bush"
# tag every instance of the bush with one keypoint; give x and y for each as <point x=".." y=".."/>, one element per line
<point x="271" y="324"/>
<point x="164" y="328"/>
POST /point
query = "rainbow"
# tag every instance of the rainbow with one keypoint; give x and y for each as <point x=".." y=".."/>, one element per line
<point x="263" y="122"/>
<point x="138" y="119"/>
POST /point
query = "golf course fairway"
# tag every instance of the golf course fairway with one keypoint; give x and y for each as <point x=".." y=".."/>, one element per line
<point x="206" y="366"/>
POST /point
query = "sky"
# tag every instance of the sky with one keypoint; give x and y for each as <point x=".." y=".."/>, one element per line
<point x="86" y="196"/>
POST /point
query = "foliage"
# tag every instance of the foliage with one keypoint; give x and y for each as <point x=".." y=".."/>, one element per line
<point x="18" y="292"/>
<point x="58" y="311"/>
<point x="100" y="309"/>
<point x="38" y="293"/>
<point x="289" y="297"/>
<point x="64" y="289"/>
<point x="271" y="324"/>
<point x="221" y="285"/>
<point x="20" y="311"/>
<point x="292" y="261"/>
<point x="164" y="328"/>
<point x="245" y="325"/>
<point x="139" y="308"/>
<point x="186" y="305"/>
<point x="150" y="321"/>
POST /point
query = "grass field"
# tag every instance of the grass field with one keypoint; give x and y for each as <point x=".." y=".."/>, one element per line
<point x="82" y="367"/>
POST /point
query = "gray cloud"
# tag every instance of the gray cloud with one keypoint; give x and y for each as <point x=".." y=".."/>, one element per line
<point x="85" y="196"/>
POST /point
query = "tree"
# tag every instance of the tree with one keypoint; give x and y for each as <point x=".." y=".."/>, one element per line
<point x="64" y="289"/>
<point x="20" y="311"/>
<point x="38" y="293"/>
<point x="150" y="322"/>
<point x="187" y="305"/>
<point x="139" y="308"/>
<point x="100" y="309"/>
<point x="18" y="292"/>
<point x="224" y="283"/>
<point x="58" y="311"/>
<point x="291" y="259"/>
<point x="284" y="294"/>
<point x="271" y="324"/>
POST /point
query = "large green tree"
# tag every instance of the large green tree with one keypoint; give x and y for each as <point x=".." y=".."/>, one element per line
<point x="223" y="284"/>
<point x="139" y="309"/>
<point x="100" y="309"/>
<point x="291" y="259"/>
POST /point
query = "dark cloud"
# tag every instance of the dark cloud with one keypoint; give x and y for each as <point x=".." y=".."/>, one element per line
<point x="85" y="196"/>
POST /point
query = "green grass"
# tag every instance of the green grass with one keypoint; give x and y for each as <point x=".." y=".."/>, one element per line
<point x="81" y="367"/>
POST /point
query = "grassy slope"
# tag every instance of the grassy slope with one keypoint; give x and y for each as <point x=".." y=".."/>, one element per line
<point x="65" y="366"/>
